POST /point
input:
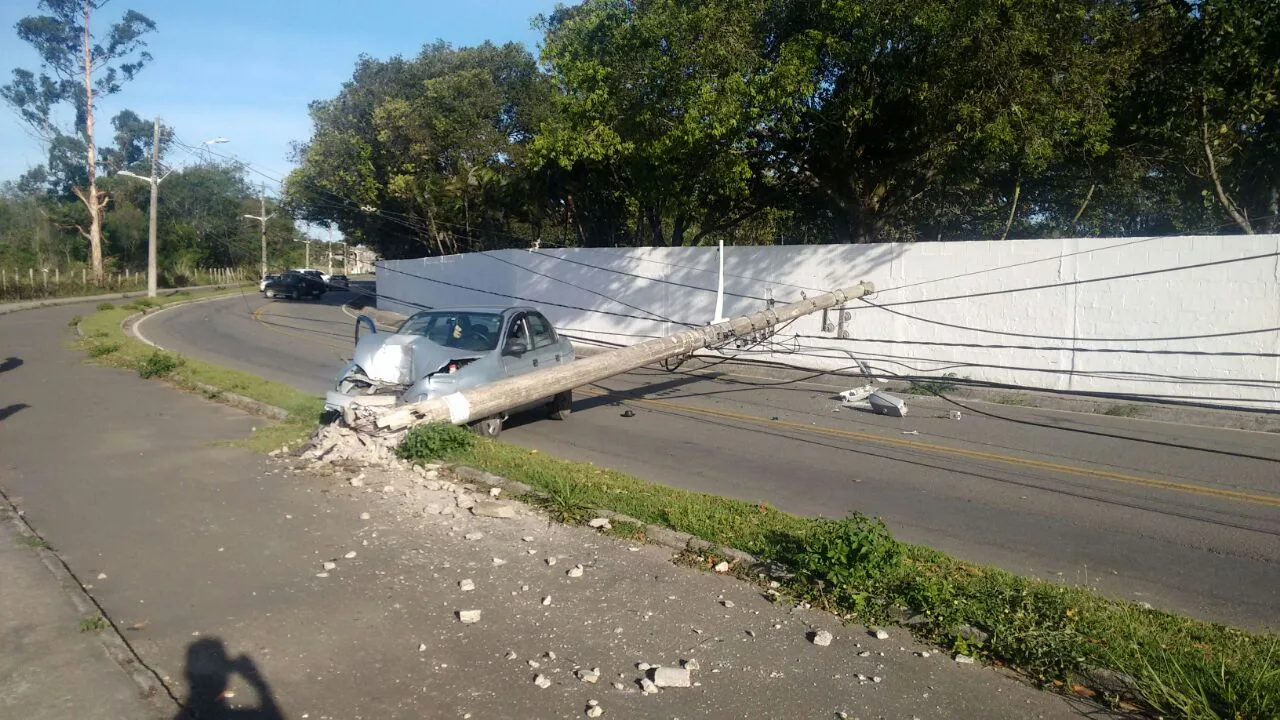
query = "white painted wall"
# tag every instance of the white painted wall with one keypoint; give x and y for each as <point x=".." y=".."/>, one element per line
<point x="1187" y="318"/>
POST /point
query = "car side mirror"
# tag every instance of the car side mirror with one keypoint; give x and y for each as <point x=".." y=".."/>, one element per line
<point x="365" y="320"/>
<point x="515" y="347"/>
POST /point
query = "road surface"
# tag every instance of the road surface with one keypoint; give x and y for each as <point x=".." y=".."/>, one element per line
<point x="1185" y="518"/>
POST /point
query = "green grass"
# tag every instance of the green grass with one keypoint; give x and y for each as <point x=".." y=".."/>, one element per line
<point x="933" y="386"/>
<point x="105" y="341"/>
<point x="33" y="541"/>
<point x="1015" y="399"/>
<point x="1123" y="410"/>
<point x="852" y="566"/>
<point x="93" y="624"/>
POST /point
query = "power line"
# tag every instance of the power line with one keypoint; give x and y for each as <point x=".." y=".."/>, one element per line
<point x="1044" y="348"/>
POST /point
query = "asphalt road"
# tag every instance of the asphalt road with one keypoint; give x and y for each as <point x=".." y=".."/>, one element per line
<point x="1185" y="518"/>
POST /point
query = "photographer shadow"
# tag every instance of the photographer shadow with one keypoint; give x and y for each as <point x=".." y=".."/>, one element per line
<point x="208" y="671"/>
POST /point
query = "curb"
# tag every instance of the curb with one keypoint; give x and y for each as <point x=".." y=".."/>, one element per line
<point x="8" y="308"/>
<point x="117" y="647"/>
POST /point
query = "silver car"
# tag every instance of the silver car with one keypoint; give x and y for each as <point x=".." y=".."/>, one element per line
<point x="442" y="351"/>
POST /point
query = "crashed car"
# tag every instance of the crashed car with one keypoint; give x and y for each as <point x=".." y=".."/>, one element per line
<point x="441" y="351"/>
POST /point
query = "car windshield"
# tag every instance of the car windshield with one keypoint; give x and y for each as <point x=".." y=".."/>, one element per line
<point x="474" y="331"/>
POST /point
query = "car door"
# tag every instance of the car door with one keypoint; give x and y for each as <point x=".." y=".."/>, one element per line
<point x="514" y="363"/>
<point x="546" y="345"/>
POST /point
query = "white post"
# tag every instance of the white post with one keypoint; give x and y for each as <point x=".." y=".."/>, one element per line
<point x="82" y="278"/>
<point x="57" y="277"/>
<point x="720" y="284"/>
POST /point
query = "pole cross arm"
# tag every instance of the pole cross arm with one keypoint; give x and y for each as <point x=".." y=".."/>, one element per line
<point x="494" y="398"/>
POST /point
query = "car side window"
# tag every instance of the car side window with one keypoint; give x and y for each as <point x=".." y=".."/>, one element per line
<point x="518" y="332"/>
<point x="543" y="335"/>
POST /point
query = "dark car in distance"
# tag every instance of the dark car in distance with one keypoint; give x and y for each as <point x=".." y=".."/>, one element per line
<point x="294" y="286"/>
<point x="339" y="281"/>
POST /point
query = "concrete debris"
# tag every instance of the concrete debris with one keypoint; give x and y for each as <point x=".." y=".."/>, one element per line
<point x="329" y="565"/>
<point x="322" y="574"/>
<point x="350" y="554"/>
<point x="727" y="603"/>
<point x="550" y="655"/>
<point x="575" y="571"/>
<point x="822" y="638"/>
<point x="388" y="488"/>
<point x="432" y="508"/>
<point x="600" y="523"/>
<point x="954" y="415"/>
<point x="335" y="443"/>
<point x="534" y="664"/>
<point x="102" y="576"/>
<point x="551" y="560"/>
<point x="619" y="686"/>
<point x="495" y="492"/>
<point x="365" y="516"/>
<point x="883" y="403"/>
<point x="492" y="509"/>
<point x="865" y="653"/>
<point x="466" y="585"/>
<point x="589" y="676"/>
<point x="464" y="501"/>
<point x="690" y="664"/>
<point x="647" y="686"/>
<point x="542" y="681"/>
<point x="527" y="538"/>
<point x="722" y="567"/>
<point x="469" y="616"/>
<point x="853" y="396"/>
<point x="499" y="561"/>
<point x="672" y="677"/>
<point x="643" y="667"/>
<point x="511" y="655"/>
<point x="474" y="535"/>
<point x="357" y="481"/>
<point x="546" y="600"/>
<point x="876" y="679"/>
<point x="1146" y="605"/>
<point x="422" y="647"/>
<point x="964" y="659"/>
<point x="923" y="653"/>
<point x="594" y="711"/>
<point x="881" y="635"/>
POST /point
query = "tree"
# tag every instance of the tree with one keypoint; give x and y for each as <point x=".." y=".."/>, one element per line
<point x="69" y="61"/>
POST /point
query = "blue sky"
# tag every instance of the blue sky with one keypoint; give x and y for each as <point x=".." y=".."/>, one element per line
<point x="245" y="70"/>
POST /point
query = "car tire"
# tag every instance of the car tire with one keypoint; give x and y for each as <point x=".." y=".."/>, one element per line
<point x="489" y="427"/>
<point x="294" y="295"/>
<point x="561" y="405"/>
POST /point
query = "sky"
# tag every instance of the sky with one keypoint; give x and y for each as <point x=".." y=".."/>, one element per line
<point x="246" y="69"/>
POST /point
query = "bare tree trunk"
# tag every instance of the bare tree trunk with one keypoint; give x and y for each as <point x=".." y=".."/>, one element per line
<point x="1013" y="207"/>
<point x="1223" y="198"/>
<point x="93" y="201"/>
<point x="1088" y="196"/>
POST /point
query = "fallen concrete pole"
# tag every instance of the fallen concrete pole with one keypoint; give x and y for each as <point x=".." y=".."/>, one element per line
<point x="495" y="398"/>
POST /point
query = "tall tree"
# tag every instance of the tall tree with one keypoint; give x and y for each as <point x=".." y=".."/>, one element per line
<point x="70" y="59"/>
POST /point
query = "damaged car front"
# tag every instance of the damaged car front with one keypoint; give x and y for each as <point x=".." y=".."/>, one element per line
<point x="421" y="360"/>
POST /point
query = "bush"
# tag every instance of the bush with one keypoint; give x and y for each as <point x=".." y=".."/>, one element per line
<point x="102" y="306"/>
<point x="436" y="440"/>
<point x="934" y="386"/>
<point x="100" y="349"/>
<point x="74" y="321"/>
<point x="158" y="364"/>
<point x="846" y="560"/>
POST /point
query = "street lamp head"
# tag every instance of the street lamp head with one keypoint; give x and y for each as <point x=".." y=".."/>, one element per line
<point x="126" y="173"/>
<point x="215" y="141"/>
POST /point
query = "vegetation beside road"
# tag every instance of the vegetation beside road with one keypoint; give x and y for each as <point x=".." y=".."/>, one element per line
<point x="105" y="341"/>
<point x="1054" y="633"/>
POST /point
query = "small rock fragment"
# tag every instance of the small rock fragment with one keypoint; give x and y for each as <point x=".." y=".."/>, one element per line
<point x="546" y="600"/>
<point x="322" y="574"/>
<point x="466" y="585"/>
<point x="647" y="686"/>
<point x="527" y="538"/>
<point x="511" y="655"/>
<point x="542" y="681"/>
<point x="499" y="561"/>
<point x="534" y="664"/>
<point x="495" y="492"/>
<point x="358" y="481"/>
<point x="923" y="653"/>
<point x="822" y="638"/>
<point x="671" y="677"/>
<point x="551" y="560"/>
<point x="727" y="603"/>
<point x="474" y="535"/>
<point x="594" y="711"/>
<point x="589" y="676"/>
<point x="550" y="655"/>
<point x="469" y="616"/>
<point x="422" y="647"/>
<point x="600" y="523"/>
<point x="964" y="659"/>
<point x="102" y="576"/>
<point x="882" y="635"/>
<point x="865" y="653"/>
<point x="365" y="516"/>
<point x="722" y="566"/>
<point x="876" y="679"/>
<point x="642" y="667"/>
<point x="350" y="554"/>
<point x="328" y="565"/>
<point x="619" y="686"/>
<point x="492" y="509"/>
<point x="691" y="664"/>
<point x="575" y="571"/>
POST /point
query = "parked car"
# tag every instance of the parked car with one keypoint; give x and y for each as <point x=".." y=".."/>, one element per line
<point x="294" y="286"/>
<point x="339" y="281"/>
<point x="262" y="286"/>
<point x="442" y="351"/>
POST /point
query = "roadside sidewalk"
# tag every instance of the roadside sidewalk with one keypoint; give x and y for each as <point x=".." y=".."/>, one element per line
<point x="313" y="593"/>
<point x="51" y="669"/>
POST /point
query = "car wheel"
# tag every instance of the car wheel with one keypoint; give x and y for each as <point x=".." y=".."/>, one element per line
<point x="489" y="427"/>
<point x="294" y="295"/>
<point x="561" y="405"/>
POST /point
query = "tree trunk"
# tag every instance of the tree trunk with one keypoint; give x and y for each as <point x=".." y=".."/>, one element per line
<point x="1239" y="217"/>
<point x="1013" y="207"/>
<point x="1088" y="196"/>
<point x="677" y="230"/>
<point x="92" y="200"/>
<point x="655" y="226"/>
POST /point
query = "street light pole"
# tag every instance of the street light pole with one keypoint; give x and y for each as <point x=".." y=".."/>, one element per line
<point x="155" y="200"/>
<point x="263" y="218"/>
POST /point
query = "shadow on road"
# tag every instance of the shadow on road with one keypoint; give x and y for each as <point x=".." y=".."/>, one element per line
<point x="11" y="363"/>
<point x="209" y="672"/>
<point x="6" y="412"/>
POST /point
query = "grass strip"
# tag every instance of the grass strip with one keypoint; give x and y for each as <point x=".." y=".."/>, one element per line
<point x="1057" y="634"/>
<point x="105" y="341"/>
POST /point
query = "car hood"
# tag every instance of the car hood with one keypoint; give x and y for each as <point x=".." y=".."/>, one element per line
<point x="403" y="359"/>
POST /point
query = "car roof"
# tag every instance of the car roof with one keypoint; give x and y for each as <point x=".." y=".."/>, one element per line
<point x="481" y="309"/>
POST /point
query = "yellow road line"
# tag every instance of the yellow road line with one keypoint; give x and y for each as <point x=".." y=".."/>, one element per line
<point x="1256" y="498"/>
